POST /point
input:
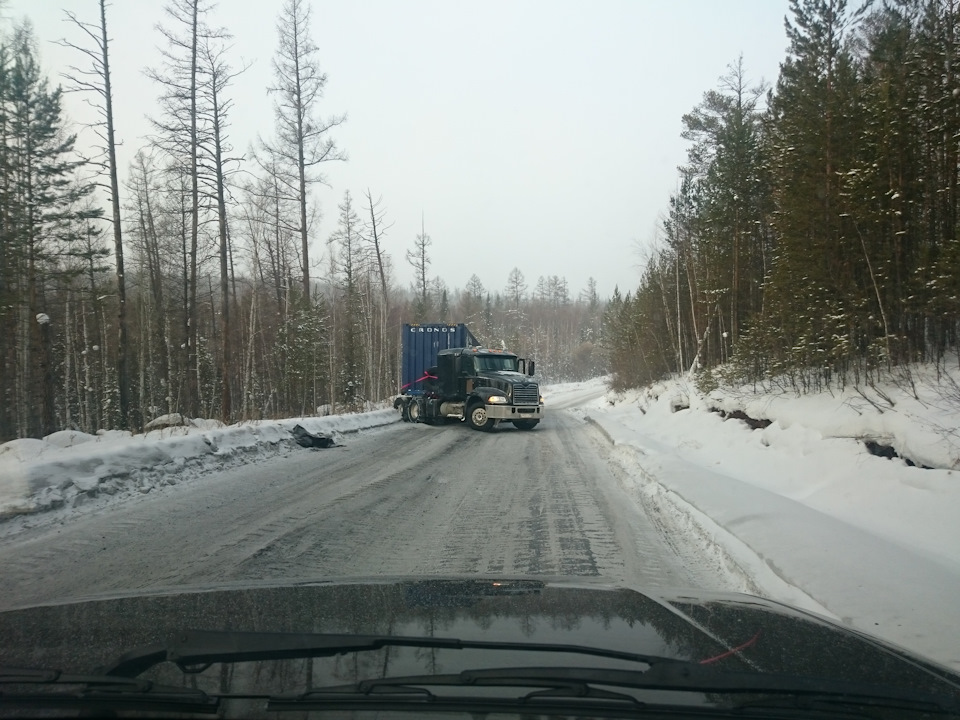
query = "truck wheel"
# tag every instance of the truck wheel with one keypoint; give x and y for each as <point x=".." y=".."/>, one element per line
<point x="477" y="417"/>
<point x="405" y="411"/>
<point x="526" y="424"/>
<point x="415" y="411"/>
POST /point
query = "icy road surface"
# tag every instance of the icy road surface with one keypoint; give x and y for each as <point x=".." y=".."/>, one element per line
<point x="406" y="499"/>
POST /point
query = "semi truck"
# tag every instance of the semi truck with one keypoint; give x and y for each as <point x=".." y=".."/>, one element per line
<point x="447" y="375"/>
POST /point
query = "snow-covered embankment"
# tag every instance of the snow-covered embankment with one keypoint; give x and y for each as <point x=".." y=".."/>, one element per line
<point x="69" y="468"/>
<point x="801" y="507"/>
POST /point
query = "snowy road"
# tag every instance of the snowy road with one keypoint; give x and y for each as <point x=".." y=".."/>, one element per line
<point x="402" y="500"/>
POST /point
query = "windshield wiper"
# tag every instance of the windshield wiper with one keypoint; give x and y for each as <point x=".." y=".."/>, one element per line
<point x="194" y="651"/>
<point x="586" y="683"/>
<point x="56" y="689"/>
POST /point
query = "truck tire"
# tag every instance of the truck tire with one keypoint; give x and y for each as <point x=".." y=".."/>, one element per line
<point x="415" y="411"/>
<point x="526" y="424"/>
<point x="477" y="417"/>
<point x="405" y="411"/>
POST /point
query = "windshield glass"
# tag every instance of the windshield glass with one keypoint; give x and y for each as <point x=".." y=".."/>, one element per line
<point x="496" y="363"/>
<point x="562" y="302"/>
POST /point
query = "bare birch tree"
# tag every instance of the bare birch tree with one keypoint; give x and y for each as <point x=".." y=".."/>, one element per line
<point x="216" y="75"/>
<point x="179" y="135"/>
<point x="96" y="79"/>
<point x="419" y="259"/>
<point x="374" y="233"/>
<point x="303" y="140"/>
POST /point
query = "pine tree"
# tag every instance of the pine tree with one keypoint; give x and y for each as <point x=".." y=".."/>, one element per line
<point x="813" y="133"/>
<point x="882" y="192"/>
<point x="351" y="264"/>
<point x="936" y="81"/>
<point x="39" y="222"/>
<point x="727" y="160"/>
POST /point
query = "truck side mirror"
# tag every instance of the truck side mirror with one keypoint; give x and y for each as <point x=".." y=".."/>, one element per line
<point x="532" y="368"/>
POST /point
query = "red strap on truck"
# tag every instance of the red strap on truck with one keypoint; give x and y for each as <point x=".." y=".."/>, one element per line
<point x="426" y="376"/>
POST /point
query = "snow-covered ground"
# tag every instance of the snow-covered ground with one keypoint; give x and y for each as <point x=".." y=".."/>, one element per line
<point x="801" y="507"/>
<point x="800" y="510"/>
<point x="68" y="470"/>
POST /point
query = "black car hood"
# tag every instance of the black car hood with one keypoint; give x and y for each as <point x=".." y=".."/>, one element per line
<point x="724" y="631"/>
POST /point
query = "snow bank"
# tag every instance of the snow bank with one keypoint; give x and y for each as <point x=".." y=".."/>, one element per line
<point x="814" y="453"/>
<point x="916" y="414"/>
<point x="68" y="469"/>
<point x="871" y="540"/>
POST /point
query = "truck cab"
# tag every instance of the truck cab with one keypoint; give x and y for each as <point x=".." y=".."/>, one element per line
<point x="477" y="385"/>
<point x="484" y="387"/>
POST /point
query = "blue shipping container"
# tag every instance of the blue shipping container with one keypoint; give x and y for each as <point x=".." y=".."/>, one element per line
<point x="421" y="343"/>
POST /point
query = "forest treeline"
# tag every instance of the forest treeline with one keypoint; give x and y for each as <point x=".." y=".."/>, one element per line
<point x="193" y="281"/>
<point x="813" y="237"/>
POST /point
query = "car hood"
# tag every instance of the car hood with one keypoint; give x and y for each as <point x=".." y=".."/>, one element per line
<point x="724" y="631"/>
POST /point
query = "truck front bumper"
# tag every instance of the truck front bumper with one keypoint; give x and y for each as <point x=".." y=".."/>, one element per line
<point x="514" y="412"/>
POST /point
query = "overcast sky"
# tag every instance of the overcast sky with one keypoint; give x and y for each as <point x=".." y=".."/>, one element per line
<point x="539" y="134"/>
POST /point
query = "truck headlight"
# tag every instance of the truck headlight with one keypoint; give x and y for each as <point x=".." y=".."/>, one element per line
<point x="497" y="400"/>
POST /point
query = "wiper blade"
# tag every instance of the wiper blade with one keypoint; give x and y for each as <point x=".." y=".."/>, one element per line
<point x="150" y="702"/>
<point x="43" y="688"/>
<point x="588" y="683"/>
<point x="695" y="678"/>
<point x="596" y="703"/>
<point x="33" y="676"/>
<point x="195" y="650"/>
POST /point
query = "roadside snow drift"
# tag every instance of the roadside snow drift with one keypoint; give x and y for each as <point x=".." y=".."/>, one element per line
<point x="871" y="540"/>
<point x="67" y="469"/>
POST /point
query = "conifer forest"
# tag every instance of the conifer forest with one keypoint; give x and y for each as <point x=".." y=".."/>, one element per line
<point x="812" y="241"/>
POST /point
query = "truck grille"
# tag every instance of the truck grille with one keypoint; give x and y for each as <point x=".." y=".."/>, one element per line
<point x="526" y="394"/>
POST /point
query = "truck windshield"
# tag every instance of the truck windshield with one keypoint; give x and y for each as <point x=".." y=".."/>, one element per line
<point x="493" y="363"/>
